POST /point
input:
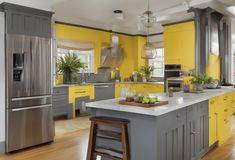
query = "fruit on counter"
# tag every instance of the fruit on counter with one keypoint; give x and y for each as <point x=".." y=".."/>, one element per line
<point x="145" y="100"/>
<point x="153" y="99"/>
<point x="148" y="99"/>
<point x="140" y="99"/>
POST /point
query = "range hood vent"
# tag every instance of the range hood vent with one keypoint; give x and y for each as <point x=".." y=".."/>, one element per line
<point x="112" y="56"/>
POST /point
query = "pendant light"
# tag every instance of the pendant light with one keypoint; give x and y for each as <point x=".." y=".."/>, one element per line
<point x="148" y="51"/>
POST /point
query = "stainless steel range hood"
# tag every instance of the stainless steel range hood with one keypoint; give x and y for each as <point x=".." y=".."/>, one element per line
<point x="112" y="56"/>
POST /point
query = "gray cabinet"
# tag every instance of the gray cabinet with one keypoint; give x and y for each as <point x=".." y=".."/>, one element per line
<point x="183" y="134"/>
<point x="104" y="91"/>
<point x="60" y="103"/>
<point x="177" y="135"/>
<point x="172" y="139"/>
<point x="197" y="130"/>
<point x="27" y="21"/>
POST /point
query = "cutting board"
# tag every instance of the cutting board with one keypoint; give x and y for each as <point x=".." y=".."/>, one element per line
<point x="160" y="103"/>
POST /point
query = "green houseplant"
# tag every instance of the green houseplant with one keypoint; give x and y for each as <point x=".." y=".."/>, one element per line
<point x="146" y="71"/>
<point x="198" y="82"/>
<point x="68" y="65"/>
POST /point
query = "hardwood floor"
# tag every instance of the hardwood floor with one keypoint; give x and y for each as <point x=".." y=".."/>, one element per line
<point x="73" y="146"/>
<point x="224" y="152"/>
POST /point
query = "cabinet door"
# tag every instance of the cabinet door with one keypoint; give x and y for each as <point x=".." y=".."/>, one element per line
<point x="172" y="139"/>
<point x="28" y="24"/>
<point x="213" y="120"/>
<point x="14" y="22"/>
<point x="197" y="130"/>
<point x="172" y="47"/>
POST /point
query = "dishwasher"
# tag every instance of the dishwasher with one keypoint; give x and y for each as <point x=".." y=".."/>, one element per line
<point x="104" y="91"/>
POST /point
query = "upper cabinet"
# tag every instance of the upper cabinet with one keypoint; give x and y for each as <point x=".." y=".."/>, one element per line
<point x="179" y="44"/>
<point x="27" y="21"/>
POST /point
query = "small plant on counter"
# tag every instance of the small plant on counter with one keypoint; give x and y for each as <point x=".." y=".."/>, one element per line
<point x="68" y="65"/>
<point x="198" y="81"/>
<point x="146" y="71"/>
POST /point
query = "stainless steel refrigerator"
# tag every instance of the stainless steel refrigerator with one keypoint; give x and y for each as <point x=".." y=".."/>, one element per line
<point x="29" y="92"/>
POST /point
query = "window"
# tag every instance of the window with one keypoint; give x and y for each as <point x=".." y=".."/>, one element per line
<point x="86" y="56"/>
<point x="158" y="63"/>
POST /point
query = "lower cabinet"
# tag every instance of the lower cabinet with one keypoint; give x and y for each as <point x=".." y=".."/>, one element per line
<point x="221" y="109"/>
<point x="172" y="136"/>
<point x="183" y="134"/>
<point x="60" y="103"/>
<point x="197" y="130"/>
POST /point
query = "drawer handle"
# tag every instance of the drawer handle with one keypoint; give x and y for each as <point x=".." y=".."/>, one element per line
<point x="178" y="116"/>
<point x="101" y="86"/>
<point x="80" y="92"/>
<point x="225" y="120"/>
<point x="225" y="110"/>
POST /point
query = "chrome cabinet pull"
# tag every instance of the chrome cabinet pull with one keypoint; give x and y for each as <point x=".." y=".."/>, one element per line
<point x="101" y="86"/>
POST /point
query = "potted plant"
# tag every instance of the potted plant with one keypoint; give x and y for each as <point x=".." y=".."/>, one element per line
<point x="68" y="65"/>
<point x="146" y="72"/>
<point x="198" y="82"/>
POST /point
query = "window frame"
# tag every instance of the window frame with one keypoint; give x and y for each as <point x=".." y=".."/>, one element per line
<point x="73" y="51"/>
<point x="151" y="61"/>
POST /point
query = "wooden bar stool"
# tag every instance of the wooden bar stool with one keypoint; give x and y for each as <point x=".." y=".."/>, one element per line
<point x="108" y="152"/>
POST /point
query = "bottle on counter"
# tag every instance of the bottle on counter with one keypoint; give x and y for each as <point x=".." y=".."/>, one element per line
<point x="171" y="92"/>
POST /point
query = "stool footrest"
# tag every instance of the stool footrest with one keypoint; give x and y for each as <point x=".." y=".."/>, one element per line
<point x="109" y="138"/>
<point x="108" y="152"/>
<point x="109" y="133"/>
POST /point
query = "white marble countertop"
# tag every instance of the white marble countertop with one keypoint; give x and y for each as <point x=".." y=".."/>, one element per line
<point x="180" y="100"/>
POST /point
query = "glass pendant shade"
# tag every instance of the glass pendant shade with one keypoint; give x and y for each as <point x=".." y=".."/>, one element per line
<point x="148" y="51"/>
<point x="148" y="19"/>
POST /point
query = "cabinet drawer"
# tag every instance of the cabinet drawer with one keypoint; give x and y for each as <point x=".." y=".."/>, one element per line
<point x="80" y="91"/>
<point x="58" y="91"/>
<point x="168" y="119"/>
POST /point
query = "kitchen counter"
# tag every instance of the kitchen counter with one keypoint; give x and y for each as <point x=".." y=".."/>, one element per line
<point x="104" y="83"/>
<point x="171" y="130"/>
<point x="180" y="100"/>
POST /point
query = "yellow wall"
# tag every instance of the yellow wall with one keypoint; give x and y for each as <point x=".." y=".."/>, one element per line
<point x="213" y="69"/>
<point x="132" y="45"/>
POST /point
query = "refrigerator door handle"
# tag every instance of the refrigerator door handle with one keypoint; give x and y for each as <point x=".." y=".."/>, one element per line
<point x="28" y="98"/>
<point x="33" y="107"/>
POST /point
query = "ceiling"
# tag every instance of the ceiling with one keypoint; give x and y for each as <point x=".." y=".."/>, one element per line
<point x="99" y="13"/>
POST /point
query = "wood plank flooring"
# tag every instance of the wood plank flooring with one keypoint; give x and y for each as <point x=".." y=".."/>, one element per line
<point x="73" y="146"/>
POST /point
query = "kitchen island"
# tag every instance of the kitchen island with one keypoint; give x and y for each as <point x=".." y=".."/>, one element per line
<point x="180" y="130"/>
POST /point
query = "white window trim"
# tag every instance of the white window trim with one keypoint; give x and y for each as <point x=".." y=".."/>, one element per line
<point x="149" y="63"/>
<point x="92" y="68"/>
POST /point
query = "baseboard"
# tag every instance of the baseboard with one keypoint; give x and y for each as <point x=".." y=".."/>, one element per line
<point x="2" y="148"/>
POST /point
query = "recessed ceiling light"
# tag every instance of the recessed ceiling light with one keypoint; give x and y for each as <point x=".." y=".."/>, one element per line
<point x="118" y="14"/>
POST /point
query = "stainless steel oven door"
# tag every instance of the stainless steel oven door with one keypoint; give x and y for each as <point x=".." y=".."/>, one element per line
<point x="29" y="126"/>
